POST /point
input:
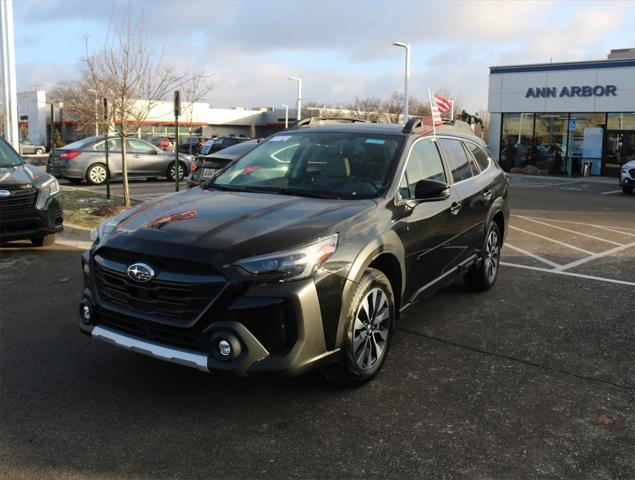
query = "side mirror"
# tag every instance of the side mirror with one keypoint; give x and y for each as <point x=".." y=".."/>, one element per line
<point x="431" y="190"/>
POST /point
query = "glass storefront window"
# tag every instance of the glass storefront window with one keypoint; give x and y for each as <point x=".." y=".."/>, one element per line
<point x="585" y="143"/>
<point x="621" y="121"/>
<point x="550" y="142"/>
<point x="516" y="141"/>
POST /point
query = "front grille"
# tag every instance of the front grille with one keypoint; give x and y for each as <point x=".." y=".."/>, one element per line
<point x="172" y="296"/>
<point x="21" y="201"/>
<point x="161" y="263"/>
<point x="174" y="336"/>
<point x="631" y="172"/>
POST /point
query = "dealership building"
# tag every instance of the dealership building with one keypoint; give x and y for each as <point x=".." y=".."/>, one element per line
<point x="558" y="118"/>
<point x="197" y="119"/>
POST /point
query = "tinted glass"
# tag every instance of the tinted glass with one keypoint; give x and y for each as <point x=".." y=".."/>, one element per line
<point x="238" y="149"/>
<point x="8" y="156"/>
<point x="424" y="163"/>
<point x="114" y="145"/>
<point x="136" y="145"/>
<point x="79" y="144"/>
<point x="333" y="165"/>
<point x="482" y="158"/>
<point x="459" y="163"/>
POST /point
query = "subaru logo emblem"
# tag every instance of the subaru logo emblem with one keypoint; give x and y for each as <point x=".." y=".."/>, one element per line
<point x="5" y="193"/>
<point x="140" y="272"/>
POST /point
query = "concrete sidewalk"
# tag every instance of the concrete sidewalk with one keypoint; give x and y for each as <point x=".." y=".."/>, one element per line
<point x="594" y="179"/>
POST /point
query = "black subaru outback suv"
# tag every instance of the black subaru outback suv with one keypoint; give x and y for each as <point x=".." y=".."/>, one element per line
<point x="303" y="253"/>
<point x="30" y="203"/>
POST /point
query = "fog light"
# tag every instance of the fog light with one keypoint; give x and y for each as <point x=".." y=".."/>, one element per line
<point x="86" y="313"/>
<point x="224" y="348"/>
<point x="86" y="269"/>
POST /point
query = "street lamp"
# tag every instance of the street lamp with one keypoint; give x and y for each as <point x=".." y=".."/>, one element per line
<point x="406" y="46"/>
<point x="92" y="90"/>
<point x="299" y="104"/>
<point x="286" y="115"/>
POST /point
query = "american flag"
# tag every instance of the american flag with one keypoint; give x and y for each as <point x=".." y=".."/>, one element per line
<point x="436" y="115"/>
<point x="443" y="104"/>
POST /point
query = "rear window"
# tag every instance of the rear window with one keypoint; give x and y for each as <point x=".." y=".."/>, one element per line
<point x="457" y="158"/>
<point x="482" y="158"/>
<point x="79" y="144"/>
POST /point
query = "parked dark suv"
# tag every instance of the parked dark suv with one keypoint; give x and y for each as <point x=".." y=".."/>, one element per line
<point x="301" y="254"/>
<point x="30" y="203"/>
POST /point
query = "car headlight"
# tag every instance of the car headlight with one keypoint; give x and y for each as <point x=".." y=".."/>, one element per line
<point x="293" y="264"/>
<point x="47" y="189"/>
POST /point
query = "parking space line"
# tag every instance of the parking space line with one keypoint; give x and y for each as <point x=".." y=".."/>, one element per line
<point x="568" y="230"/>
<point x="573" y="247"/>
<point x="569" y="274"/>
<point x="594" y="257"/>
<point x="602" y="227"/>
<point x="533" y="255"/>
<point x="611" y="192"/>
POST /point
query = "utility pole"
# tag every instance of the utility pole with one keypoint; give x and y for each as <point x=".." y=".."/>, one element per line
<point x="299" y="102"/>
<point x="405" y="46"/>
<point x="286" y="116"/>
<point x="8" y="74"/>
<point x="177" y="112"/>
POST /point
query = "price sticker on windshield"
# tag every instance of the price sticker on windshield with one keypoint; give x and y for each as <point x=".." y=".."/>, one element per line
<point x="280" y="138"/>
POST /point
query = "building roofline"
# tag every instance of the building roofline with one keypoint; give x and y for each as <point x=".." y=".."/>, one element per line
<point x="546" y="67"/>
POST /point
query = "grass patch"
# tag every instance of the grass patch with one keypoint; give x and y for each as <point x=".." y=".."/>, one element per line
<point x="87" y="209"/>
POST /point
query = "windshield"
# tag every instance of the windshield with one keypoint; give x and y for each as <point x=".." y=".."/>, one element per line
<point x="8" y="156"/>
<point x="330" y="165"/>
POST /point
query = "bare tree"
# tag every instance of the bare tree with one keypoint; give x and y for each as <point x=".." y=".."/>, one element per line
<point x="195" y="89"/>
<point x="135" y="81"/>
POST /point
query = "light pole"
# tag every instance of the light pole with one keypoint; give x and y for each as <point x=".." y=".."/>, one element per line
<point x="406" y="46"/>
<point x="92" y="90"/>
<point x="286" y="116"/>
<point x="7" y="75"/>
<point x="299" y="104"/>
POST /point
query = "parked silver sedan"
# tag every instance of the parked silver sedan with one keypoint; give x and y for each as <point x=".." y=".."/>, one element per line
<point x="85" y="160"/>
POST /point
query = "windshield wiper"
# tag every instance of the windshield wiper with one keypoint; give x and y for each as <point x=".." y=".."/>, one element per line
<point x="298" y="192"/>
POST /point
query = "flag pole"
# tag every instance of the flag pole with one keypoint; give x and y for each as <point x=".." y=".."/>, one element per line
<point x="452" y="111"/>
<point x="434" y="124"/>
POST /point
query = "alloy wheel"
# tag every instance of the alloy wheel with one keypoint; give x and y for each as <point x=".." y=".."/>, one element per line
<point x="370" y="332"/>
<point x="97" y="174"/>
<point x="492" y="255"/>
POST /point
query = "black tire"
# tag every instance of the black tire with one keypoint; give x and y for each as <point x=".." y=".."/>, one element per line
<point x="627" y="190"/>
<point x="96" y="174"/>
<point x="483" y="276"/>
<point x="170" y="171"/>
<point x="363" y="339"/>
<point x="43" y="240"/>
<point x="75" y="181"/>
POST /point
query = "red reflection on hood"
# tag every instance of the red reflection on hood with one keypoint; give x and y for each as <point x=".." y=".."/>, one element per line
<point x="161" y="222"/>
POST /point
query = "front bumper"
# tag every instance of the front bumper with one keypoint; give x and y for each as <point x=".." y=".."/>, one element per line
<point x="21" y="224"/>
<point x="276" y="330"/>
<point x="626" y="181"/>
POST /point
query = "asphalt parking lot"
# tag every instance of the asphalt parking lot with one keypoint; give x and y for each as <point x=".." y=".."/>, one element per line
<point x="533" y="379"/>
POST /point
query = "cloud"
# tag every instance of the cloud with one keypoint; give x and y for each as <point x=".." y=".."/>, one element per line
<point x="341" y="49"/>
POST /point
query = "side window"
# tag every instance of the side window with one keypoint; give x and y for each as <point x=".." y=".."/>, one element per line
<point x="424" y="163"/>
<point x="482" y="158"/>
<point x="114" y="145"/>
<point x="136" y="145"/>
<point x="457" y="158"/>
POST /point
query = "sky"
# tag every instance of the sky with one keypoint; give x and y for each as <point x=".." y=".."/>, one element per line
<point x="341" y="49"/>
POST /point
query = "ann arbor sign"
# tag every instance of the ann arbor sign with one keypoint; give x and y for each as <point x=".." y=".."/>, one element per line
<point x="576" y="91"/>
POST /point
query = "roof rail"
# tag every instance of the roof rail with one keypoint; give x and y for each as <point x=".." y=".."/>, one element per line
<point x="412" y="124"/>
<point x="305" y="122"/>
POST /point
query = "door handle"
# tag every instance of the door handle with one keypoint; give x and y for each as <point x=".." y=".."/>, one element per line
<point x="487" y="194"/>
<point x="455" y="208"/>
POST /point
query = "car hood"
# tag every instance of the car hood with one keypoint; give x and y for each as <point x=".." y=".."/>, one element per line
<point x="229" y="225"/>
<point x="629" y="164"/>
<point x="20" y="175"/>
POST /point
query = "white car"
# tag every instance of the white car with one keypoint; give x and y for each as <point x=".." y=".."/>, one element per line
<point x="627" y="177"/>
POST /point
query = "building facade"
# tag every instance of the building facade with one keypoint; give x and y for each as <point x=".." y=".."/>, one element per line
<point x="558" y="118"/>
<point x="197" y="119"/>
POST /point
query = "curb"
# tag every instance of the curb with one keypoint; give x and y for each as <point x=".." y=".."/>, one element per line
<point x="75" y="232"/>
